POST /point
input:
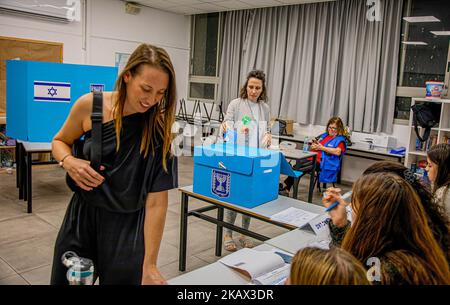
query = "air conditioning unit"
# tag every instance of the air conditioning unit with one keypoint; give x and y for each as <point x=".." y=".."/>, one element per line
<point x="132" y="8"/>
<point x="62" y="11"/>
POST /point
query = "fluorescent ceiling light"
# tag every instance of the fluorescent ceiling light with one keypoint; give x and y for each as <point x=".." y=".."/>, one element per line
<point x="416" y="43"/>
<point x="421" y="19"/>
<point x="441" y="33"/>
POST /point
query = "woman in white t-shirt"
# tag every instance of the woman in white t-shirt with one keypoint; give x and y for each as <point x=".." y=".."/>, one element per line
<point x="248" y="116"/>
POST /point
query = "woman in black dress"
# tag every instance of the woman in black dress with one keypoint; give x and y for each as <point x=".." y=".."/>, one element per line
<point x="116" y="216"/>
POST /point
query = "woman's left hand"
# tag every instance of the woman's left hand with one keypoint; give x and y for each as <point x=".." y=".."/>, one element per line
<point x="151" y="276"/>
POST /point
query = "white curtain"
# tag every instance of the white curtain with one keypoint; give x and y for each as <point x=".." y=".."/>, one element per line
<point x="321" y="60"/>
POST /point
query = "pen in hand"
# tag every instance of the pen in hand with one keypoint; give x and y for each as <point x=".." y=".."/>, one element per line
<point x="332" y="206"/>
<point x="335" y="204"/>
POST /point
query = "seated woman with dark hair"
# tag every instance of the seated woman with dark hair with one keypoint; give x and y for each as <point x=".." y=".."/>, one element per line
<point x="389" y="224"/>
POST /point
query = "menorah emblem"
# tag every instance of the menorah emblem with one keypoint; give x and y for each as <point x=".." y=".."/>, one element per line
<point x="220" y="183"/>
<point x="221" y="179"/>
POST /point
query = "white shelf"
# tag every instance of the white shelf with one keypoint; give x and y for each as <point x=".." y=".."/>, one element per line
<point x="413" y="155"/>
<point x="434" y="128"/>
<point x="418" y="153"/>
<point x="436" y="100"/>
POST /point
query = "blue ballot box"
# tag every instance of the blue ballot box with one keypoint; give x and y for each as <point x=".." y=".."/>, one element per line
<point x="39" y="95"/>
<point x="241" y="175"/>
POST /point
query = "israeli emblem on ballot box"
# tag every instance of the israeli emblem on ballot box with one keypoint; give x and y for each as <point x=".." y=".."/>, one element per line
<point x="220" y="183"/>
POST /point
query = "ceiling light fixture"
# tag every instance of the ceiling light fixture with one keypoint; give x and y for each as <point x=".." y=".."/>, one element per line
<point x="441" y="33"/>
<point x="421" y="19"/>
<point x="415" y="43"/>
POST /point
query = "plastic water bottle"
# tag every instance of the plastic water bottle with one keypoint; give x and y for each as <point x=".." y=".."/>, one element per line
<point x="81" y="270"/>
<point x="306" y="144"/>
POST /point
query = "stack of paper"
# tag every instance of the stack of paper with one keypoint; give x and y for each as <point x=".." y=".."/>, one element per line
<point x="263" y="267"/>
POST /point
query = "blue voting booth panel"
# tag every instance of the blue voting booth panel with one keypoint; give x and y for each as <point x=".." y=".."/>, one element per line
<point x="241" y="175"/>
<point x="39" y="95"/>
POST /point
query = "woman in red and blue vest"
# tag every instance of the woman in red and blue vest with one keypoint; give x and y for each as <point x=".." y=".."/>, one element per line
<point x="333" y="144"/>
<point x="330" y="147"/>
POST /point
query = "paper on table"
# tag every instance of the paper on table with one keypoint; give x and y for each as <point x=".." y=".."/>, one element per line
<point x="294" y="216"/>
<point x="322" y="244"/>
<point x="252" y="262"/>
<point x="274" y="277"/>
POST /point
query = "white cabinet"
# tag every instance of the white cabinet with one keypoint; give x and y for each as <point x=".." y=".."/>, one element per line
<point x="416" y="154"/>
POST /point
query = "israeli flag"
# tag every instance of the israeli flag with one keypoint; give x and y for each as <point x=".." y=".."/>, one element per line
<point x="51" y="92"/>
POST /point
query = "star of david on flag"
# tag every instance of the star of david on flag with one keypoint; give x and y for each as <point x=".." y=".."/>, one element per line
<point x="45" y="91"/>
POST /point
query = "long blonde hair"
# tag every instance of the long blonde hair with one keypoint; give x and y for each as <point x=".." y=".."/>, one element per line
<point x="158" y="122"/>
<point x="314" y="266"/>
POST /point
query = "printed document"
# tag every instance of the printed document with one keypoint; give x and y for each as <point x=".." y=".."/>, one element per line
<point x="294" y="216"/>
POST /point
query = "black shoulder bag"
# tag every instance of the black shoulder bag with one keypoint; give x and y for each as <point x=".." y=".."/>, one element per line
<point x="425" y="115"/>
<point x="96" y="134"/>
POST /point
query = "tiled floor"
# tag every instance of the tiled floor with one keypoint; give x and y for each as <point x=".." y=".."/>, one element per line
<point x="27" y="240"/>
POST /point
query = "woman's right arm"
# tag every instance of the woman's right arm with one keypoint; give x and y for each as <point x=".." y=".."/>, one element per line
<point x="74" y="126"/>
<point x="339" y="224"/>
<point x="338" y="214"/>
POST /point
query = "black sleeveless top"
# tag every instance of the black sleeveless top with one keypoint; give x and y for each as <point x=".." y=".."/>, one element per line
<point x="128" y="175"/>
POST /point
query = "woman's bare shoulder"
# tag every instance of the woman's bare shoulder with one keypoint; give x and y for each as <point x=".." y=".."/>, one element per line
<point x="83" y="103"/>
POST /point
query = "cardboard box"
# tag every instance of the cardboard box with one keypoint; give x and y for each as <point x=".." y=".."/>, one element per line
<point x="241" y="175"/>
<point x="286" y="127"/>
<point x="289" y="127"/>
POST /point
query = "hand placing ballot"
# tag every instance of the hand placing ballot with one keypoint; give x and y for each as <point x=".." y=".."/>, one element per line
<point x="267" y="140"/>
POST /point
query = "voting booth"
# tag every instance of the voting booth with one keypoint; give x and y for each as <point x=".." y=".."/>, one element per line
<point x="39" y="95"/>
<point x="242" y="175"/>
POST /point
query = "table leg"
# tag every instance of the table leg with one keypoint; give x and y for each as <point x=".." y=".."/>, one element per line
<point x="295" y="189"/>
<point x="29" y="202"/>
<point x="183" y="231"/>
<point x="19" y="169"/>
<point x="219" y="232"/>
<point x="16" y="151"/>
<point x="24" y="169"/>
<point x="311" y="179"/>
